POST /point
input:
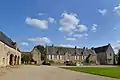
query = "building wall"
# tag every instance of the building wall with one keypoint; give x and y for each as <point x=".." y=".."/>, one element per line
<point x="5" y="52"/>
<point x="101" y="58"/>
<point x="63" y="59"/>
<point x="56" y="58"/>
<point x="110" y="55"/>
<point x="36" y="55"/>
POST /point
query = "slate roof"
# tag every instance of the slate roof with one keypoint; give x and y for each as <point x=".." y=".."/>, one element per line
<point x="7" y="41"/>
<point x="62" y="50"/>
<point x="101" y="49"/>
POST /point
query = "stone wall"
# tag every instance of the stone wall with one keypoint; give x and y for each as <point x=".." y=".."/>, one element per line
<point x="8" y="55"/>
<point x="63" y="59"/>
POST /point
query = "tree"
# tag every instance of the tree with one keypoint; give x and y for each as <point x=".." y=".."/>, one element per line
<point x="118" y="57"/>
<point x="26" y="58"/>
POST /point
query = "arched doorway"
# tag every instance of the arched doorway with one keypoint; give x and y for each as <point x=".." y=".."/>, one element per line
<point x="15" y="60"/>
<point x="11" y="59"/>
<point x="18" y="60"/>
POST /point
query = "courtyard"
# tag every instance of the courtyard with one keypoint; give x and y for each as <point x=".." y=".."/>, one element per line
<point x="31" y="72"/>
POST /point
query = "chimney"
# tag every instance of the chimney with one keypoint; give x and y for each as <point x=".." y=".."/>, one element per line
<point x="92" y="48"/>
<point x="75" y="47"/>
<point x="52" y="45"/>
<point x="83" y="48"/>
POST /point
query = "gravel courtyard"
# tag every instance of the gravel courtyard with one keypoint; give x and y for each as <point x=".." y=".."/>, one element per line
<point x="30" y="72"/>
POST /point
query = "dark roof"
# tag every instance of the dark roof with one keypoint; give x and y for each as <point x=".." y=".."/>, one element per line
<point x="101" y="49"/>
<point x="7" y="40"/>
<point x="63" y="50"/>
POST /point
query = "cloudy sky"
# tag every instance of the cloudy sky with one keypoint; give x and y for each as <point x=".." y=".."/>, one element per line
<point x="61" y="22"/>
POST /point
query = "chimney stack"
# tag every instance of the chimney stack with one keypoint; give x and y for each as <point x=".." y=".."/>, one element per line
<point x="75" y="47"/>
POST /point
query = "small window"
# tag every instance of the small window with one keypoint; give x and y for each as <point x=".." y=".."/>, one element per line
<point x="82" y="53"/>
<point x="76" y="57"/>
<point x="110" y="54"/>
<point x="57" y="52"/>
<point x="3" y="60"/>
<point x="51" y="57"/>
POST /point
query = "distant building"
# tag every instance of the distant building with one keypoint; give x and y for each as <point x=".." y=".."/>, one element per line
<point x="9" y="52"/>
<point x="62" y="54"/>
<point x="32" y="57"/>
<point x="105" y="54"/>
<point x="36" y="55"/>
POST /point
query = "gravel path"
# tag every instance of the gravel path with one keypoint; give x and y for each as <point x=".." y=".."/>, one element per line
<point x="30" y="72"/>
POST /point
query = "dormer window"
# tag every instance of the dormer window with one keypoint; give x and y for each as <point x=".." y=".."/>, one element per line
<point x="81" y="53"/>
<point x="75" y="53"/>
<point x="75" y="47"/>
<point x="110" y="54"/>
<point x="57" y="52"/>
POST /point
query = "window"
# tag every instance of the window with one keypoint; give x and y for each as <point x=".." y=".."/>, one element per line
<point x="52" y="56"/>
<point x="110" y="54"/>
<point x="60" y="57"/>
<point x="75" y="57"/>
<point x="81" y="53"/>
<point x="3" y="61"/>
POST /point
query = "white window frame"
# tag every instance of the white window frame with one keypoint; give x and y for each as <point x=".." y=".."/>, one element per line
<point x="75" y="57"/>
<point x="52" y="57"/>
<point x="60" y="57"/>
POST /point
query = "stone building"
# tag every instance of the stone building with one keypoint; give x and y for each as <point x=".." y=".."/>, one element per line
<point x="77" y="55"/>
<point x="34" y="56"/>
<point x="105" y="54"/>
<point x="9" y="52"/>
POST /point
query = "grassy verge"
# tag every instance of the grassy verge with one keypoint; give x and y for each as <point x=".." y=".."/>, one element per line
<point x="113" y="72"/>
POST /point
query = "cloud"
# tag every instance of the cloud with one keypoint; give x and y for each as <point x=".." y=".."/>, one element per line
<point x="78" y="35"/>
<point x="39" y="40"/>
<point x="117" y="10"/>
<point x="116" y="47"/>
<point x="51" y="20"/>
<point x="85" y="38"/>
<point x="118" y="41"/>
<point x="94" y="27"/>
<point x="85" y="34"/>
<point x="24" y="44"/>
<point x="43" y="24"/>
<point x="41" y="14"/>
<point x="68" y="22"/>
<point x="115" y="28"/>
<point x="81" y="28"/>
<point x="67" y="45"/>
<point x="70" y="38"/>
<point x="102" y="11"/>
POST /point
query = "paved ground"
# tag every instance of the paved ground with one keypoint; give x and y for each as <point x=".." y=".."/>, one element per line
<point x="47" y="73"/>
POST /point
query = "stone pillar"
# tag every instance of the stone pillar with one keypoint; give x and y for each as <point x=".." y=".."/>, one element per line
<point x="16" y="60"/>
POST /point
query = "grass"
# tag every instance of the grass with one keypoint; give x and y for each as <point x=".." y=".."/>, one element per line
<point x="113" y="72"/>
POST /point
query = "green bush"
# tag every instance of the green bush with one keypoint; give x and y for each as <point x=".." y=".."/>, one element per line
<point x="51" y="61"/>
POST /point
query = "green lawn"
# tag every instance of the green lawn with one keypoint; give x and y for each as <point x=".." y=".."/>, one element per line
<point x="103" y="71"/>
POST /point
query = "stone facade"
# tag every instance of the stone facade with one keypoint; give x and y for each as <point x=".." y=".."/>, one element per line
<point x="9" y="53"/>
<point x="36" y="55"/>
<point x="101" y="55"/>
<point x="105" y="54"/>
<point x="77" y="55"/>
